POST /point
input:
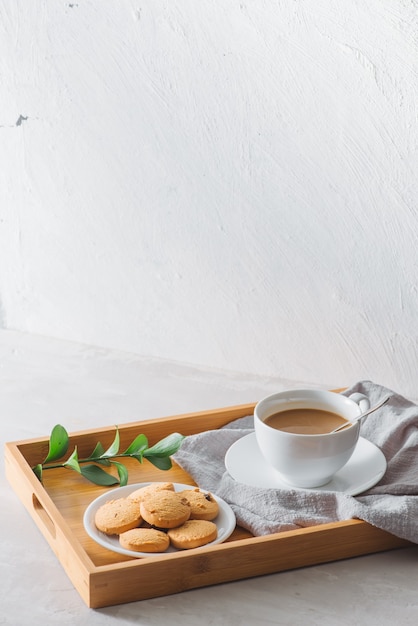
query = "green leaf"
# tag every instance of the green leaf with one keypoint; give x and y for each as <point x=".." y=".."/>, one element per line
<point x="138" y="457"/>
<point x="163" y="463"/>
<point x="122" y="472"/>
<point x="113" y="449"/>
<point x="139" y="444"/>
<point x="58" y="444"/>
<point x="38" y="471"/>
<point x="166" y="447"/>
<point x="72" y="462"/>
<point x="103" y="461"/>
<point x="98" y="476"/>
<point x="98" y="451"/>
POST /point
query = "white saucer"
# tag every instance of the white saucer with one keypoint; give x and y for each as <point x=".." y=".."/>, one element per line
<point x="364" y="469"/>
<point x="225" y="521"/>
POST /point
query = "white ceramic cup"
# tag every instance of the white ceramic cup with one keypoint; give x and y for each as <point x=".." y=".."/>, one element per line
<point x="303" y="460"/>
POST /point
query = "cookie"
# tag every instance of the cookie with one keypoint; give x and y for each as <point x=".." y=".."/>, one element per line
<point x="203" y="505"/>
<point x="117" y="516"/>
<point x="165" y="509"/>
<point x="193" y="534"/>
<point x="143" y="492"/>
<point x="144" y="540"/>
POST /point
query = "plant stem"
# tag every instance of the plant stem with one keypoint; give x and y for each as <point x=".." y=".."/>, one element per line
<point x="94" y="459"/>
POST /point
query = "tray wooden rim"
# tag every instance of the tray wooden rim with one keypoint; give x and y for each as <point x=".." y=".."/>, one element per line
<point x="123" y="581"/>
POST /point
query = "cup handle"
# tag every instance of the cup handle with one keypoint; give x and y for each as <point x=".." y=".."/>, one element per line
<point x="362" y="400"/>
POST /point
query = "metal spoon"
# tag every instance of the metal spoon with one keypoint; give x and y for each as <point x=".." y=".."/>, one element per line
<point x="358" y="417"/>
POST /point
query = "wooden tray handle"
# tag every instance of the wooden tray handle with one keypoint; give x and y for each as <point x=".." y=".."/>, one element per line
<point x="43" y="516"/>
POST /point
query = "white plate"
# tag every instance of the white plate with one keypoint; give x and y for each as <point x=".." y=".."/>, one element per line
<point x="225" y="521"/>
<point x="364" y="469"/>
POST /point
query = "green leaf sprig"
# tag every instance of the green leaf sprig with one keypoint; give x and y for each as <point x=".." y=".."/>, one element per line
<point x="92" y="466"/>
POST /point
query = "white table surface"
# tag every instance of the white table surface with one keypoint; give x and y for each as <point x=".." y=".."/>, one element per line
<point x="45" y="381"/>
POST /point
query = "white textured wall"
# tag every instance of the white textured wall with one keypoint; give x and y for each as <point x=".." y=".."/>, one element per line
<point x="219" y="182"/>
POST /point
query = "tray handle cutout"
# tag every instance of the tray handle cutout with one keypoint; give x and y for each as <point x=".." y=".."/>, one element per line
<point x="43" y="516"/>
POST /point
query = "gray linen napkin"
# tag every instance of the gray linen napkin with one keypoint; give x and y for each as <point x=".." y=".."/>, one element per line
<point x="391" y="505"/>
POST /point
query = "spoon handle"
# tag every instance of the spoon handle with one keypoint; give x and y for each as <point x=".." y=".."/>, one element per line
<point x="356" y="419"/>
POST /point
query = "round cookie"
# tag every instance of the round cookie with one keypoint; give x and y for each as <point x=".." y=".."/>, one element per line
<point x="193" y="534"/>
<point x="117" y="516"/>
<point x="144" y="492"/>
<point x="203" y="505"/>
<point x="144" y="540"/>
<point x="165" y="509"/>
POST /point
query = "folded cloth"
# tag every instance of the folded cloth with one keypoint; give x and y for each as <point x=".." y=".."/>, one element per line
<point x="391" y="505"/>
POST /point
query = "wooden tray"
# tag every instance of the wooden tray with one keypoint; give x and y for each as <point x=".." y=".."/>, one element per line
<point x="105" y="578"/>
